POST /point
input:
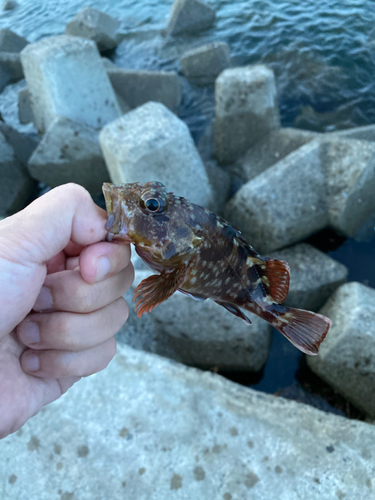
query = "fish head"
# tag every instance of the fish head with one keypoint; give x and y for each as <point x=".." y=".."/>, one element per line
<point x="151" y="218"/>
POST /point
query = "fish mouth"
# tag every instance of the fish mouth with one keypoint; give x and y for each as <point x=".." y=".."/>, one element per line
<point x="117" y="225"/>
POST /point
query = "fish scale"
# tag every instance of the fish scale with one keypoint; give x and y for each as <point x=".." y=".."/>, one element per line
<point x="200" y="254"/>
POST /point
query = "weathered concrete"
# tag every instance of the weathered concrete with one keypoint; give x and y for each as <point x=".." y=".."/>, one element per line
<point x="66" y="77"/>
<point x="190" y="16"/>
<point x="273" y="148"/>
<point x="284" y="204"/>
<point x="10" y="69"/>
<point x="202" y="65"/>
<point x="23" y="145"/>
<point x="346" y="358"/>
<point x="366" y="133"/>
<point x="201" y="334"/>
<point x="25" y="111"/>
<point x="246" y="110"/>
<point x="146" y="428"/>
<point x="96" y="26"/>
<point x="314" y="276"/>
<point x="108" y="64"/>
<point x="151" y="143"/>
<point x="11" y="42"/>
<point x="15" y="183"/>
<point x="350" y="175"/>
<point x="69" y="152"/>
<point x="221" y="183"/>
<point x="136" y="87"/>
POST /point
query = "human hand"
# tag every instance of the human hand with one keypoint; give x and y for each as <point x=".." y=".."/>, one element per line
<point x="61" y="301"/>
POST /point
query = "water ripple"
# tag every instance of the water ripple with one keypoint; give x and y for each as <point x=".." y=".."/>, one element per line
<point x="323" y="53"/>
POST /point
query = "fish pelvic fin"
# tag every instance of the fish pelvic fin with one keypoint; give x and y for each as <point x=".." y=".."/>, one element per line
<point x="275" y="278"/>
<point x="306" y="330"/>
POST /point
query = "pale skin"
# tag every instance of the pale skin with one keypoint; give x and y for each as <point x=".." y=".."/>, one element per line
<point x="61" y="302"/>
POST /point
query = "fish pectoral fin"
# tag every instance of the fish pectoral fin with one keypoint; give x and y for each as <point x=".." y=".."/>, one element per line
<point x="234" y="310"/>
<point x="157" y="288"/>
<point x="276" y="279"/>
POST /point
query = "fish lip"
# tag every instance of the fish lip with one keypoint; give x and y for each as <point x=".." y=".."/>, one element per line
<point x="124" y="238"/>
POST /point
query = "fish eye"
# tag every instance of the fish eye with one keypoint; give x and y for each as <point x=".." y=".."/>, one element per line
<point x="152" y="204"/>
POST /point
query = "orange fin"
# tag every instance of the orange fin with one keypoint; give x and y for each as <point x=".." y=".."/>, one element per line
<point x="234" y="310"/>
<point x="157" y="288"/>
<point x="276" y="278"/>
<point x="306" y="330"/>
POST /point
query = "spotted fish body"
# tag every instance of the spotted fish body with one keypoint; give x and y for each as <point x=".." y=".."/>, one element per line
<point x="200" y="254"/>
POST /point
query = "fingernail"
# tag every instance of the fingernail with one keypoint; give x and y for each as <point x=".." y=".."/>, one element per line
<point x="29" y="333"/>
<point x="30" y="362"/>
<point x="44" y="300"/>
<point x="103" y="267"/>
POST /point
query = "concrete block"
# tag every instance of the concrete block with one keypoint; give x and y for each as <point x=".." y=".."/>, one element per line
<point x="366" y="133"/>
<point x="202" y="65"/>
<point x="151" y="143"/>
<point x="136" y="87"/>
<point x="346" y="359"/>
<point x="326" y="182"/>
<point x="66" y="77"/>
<point x="10" y="69"/>
<point x="25" y="111"/>
<point x="11" y="42"/>
<point x="15" y="183"/>
<point x="69" y="152"/>
<point x="268" y="151"/>
<point x="9" y="4"/>
<point x="96" y="26"/>
<point x="23" y="145"/>
<point x="148" y="428"/>
<point x="246" y="110"/>
<point x="190" y="16"/>
<point x="350" y="174"/>
<point x="284" y="204"/>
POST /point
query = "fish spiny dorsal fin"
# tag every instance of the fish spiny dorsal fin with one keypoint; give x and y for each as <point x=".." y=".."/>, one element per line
<point x="275" y="277"/>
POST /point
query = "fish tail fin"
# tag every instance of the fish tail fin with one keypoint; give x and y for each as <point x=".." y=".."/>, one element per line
<point x="306" y="330"/>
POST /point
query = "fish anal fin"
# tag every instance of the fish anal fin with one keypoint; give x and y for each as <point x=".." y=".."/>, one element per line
<point x="305" y="329"/>
<point x="194" y="296"/>
<point x="275" y="278"/>
<point x="157" y="288"/>
<point x="234" y="310"/>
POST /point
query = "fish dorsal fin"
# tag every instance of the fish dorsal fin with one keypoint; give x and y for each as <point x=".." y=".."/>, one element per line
<point x="157" y="288"/>
<point x="275" y="278"/>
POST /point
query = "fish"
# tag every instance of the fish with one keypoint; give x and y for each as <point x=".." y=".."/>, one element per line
<point x="200" y="254"/>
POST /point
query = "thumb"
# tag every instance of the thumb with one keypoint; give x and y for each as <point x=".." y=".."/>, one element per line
<point x="45" y="227"/>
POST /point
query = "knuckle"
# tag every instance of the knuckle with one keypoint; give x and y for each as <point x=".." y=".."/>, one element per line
<point x="123" y="311"/>
<point x="74" y="190"/>
<point x="111" y="351"/>
<point x="84" y="298"/>
<point x="60" y="325"/>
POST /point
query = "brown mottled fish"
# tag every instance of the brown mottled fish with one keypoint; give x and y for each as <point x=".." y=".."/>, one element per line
<point x="200" y="254"/>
